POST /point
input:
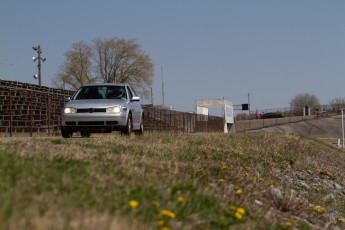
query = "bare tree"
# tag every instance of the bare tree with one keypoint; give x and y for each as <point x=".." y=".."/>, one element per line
<point x="108" y="60"/>
<point x="302" y="100"/>
<point x="337" y="104"/>
<point x="76" y="70"/>
<point x="122" y="61"/>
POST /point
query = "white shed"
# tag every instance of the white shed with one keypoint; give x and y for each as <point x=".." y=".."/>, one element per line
<point x="228" y="108"/>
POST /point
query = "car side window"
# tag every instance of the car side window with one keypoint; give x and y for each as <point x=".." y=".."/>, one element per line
<point x="130" y="93"/>
<point x="133" y="92"/>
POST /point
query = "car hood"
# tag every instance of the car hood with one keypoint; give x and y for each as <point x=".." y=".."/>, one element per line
<point x="96" y="103"/>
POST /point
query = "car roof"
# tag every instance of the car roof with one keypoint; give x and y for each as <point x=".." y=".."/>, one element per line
<point x="106" y="84"/>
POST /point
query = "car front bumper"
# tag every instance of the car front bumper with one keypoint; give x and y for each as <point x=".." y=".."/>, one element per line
<point x="94" y="122"/>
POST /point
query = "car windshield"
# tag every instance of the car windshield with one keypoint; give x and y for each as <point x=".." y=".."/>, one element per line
<point x="100" y="92"/>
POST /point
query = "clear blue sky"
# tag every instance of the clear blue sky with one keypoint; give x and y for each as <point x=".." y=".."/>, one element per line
<point x="271" y="49"/>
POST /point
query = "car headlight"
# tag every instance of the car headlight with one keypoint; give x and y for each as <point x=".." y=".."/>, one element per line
<point x="69" y="110"/>
<point x="114" y="109"/>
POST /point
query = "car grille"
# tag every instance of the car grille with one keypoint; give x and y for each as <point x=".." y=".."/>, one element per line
<point x="111" y="122"/>
<point x="92" y="110"/>
<point x="90" y="122"/>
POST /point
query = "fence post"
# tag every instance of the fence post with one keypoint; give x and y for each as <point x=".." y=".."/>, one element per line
<point x="48" y="111"/>
<point x="170" y="118"/>
<point x="31" y="114"/>
<point x="10" y="93"/>
<point x="184" y="128"/>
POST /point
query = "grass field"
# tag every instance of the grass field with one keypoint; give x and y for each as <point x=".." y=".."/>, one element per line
<point x="172" y="181"/>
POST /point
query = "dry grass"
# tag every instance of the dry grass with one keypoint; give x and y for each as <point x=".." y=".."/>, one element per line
<point x="205" y="180"/>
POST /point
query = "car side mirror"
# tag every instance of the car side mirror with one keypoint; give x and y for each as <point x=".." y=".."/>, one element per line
<point x="135" y="98"/>
<point x="67" y="99"/>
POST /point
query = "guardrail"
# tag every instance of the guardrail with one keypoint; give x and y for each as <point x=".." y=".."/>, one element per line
<point x="254" y="124"/>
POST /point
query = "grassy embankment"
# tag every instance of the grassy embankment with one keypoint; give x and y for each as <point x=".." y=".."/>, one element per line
<point x="171" y="181"/>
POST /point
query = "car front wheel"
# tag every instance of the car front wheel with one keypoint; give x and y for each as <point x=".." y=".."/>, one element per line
<point x="129" y="126"/>
<point x="65" y="133"/>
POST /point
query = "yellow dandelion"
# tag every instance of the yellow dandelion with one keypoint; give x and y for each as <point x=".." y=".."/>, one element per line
<point x="241" y="211"/>
<point x="225" y="167"/>
<point x="180" y="199"/>
<point x="160" y="222"/>
<point x="287" y="224"/>
<point x="133" y="203"/>
<point x="261" y="179"/>
<point x="246" y="174"/>
<point x="340" y="219"/>
<point x="168" y="213"/>
<point x="319" y="209"/>
<point x="239" y="192"/>
<point x="272" y="185"/>
<point x="221" y="180"/>
<point x="253" y="179"/>
<point x="155" y="203"/>
<point x="238" y="216"/>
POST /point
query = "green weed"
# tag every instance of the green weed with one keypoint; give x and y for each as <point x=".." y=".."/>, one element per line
<point x="178" y="181"/>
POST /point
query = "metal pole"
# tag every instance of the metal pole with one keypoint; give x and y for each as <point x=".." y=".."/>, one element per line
<point x="40" y="59"/>
<point x="31" y="114"/>
<point x="39" y="65"/>
<point x="162" y="84"/>
<point x="10" y="113"/>
<point x="49" y="104"/>
<point x="342" y="126"/>
<point x="248" y="105"/>
<point x="151" y="97"/>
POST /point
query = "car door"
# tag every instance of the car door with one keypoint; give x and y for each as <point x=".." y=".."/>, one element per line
<point x="136" y="108"/>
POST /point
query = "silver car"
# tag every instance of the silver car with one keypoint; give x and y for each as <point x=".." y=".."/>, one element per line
<point x="103" y="107"/>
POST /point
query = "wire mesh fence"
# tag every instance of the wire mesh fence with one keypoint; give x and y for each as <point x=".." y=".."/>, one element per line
<point x="157" y="119"/>
<point x="27" y="108"/>
<point x="31" y="109"/>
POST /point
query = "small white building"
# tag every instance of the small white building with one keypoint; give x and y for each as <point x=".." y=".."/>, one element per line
<point x="228" y="109"/>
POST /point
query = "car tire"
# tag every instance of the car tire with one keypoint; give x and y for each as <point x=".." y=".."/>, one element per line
<point x="65" y="133"/>
<point x="128" y="129"/>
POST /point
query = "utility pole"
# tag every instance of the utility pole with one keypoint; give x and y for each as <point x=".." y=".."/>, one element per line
<point x="39" y="51"/>
<point x="248" y="104"/>
<point x="151" y="96"/>
<point x="162" y="84"/>
<point x="342" y="127"/>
